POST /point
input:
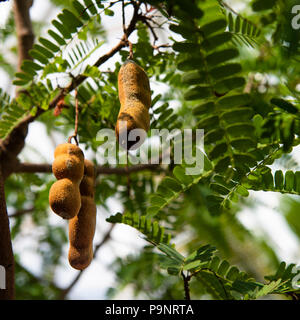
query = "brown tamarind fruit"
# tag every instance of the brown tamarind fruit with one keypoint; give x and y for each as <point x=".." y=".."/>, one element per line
<point x="68" y="168"/>
<point x="82" y="226"/>
<point x="135" y="100"/>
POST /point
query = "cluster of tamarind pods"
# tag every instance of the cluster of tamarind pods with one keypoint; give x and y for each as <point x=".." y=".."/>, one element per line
<point x="72" y="195"/>
<point x="72" y="198"/>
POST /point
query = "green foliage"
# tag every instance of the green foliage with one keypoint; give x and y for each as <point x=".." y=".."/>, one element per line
<point x="264" y="179"/>
<point x="11" y="112"/>
<point x="151" y="229"/>
<point x="49" y="54"/>
<point x="242" y="30"/>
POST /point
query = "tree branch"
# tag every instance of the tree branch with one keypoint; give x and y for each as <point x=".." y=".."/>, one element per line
<point x="6" y="252"/>
<point x="186" y="280"/>
<point x="47" y="168"/>
<point x="20" y="212"/>
<point x="24" y="29"/>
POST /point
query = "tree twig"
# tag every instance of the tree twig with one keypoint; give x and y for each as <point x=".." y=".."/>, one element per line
<point x="21" y="212"/>
<point x="186" y="280"/>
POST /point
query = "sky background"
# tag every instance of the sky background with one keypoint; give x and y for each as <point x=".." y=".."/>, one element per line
<point x="265" y="219"/>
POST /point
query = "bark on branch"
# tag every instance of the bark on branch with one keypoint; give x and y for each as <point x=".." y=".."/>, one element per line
<point x="24" y="29"/>
<point x="47" y="168"/>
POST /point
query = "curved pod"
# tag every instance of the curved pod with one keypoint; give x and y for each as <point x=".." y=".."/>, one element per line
<point x="135" y="100"/>
<point x="82" y="226"/>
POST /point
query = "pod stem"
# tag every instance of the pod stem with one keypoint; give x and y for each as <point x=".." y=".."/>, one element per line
<point x="128" y="43"/>
<point x="74" y="135"/>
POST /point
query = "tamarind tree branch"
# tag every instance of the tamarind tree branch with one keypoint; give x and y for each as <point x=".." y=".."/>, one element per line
<point x="24" y="29"/>
<point x="47" y="168"/>
<point x="6" y="252"/>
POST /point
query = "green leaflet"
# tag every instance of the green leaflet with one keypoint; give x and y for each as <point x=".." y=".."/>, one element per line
<point x="204" y="108"/>
<point x="184" y="46"/>
<point x="287" y="106"/>
<point x="38" y="56"/>
<point x="193" y="77"/>
<point x="221" y="56"/>
<point x="225" y="71"/>
<point x="278" y="180"/>
<point x="151" y="229"/>
<point x="90" y="6"/>
<point x="237" y="115"/>
<point x="260" y="5"/>
<point x="69" y="19"/>
<point x="229" y="84"/>
<point x="80" y="10"/>
<point x="215" y="41"/>
<point x="284" y="183"/>
<point x="49" y="45"/>
<point x="43" y="51"/>
<point x="183" y="30"/>
<point x="236" y="100"/>
<point x="60" y="27"/>
<point x="198" y="92"/>
<point x="190" y="64"/>
<point x="57" y="37"/>
<point x="213" y="27"/>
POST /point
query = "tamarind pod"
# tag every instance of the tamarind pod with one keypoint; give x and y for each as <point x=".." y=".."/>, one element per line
<point x="135" y="100"/>
<point x="80" y="259"/>
<point x="64" y="198"/>
<point x="81" y="234"/>
<point x="68" y="162"/>
<point x="70" y="149"/>
<point x="87" y="184"/>
<point x="68" y="168"/>
<point x="133" y="84"/>
<point x="82" y="226"/>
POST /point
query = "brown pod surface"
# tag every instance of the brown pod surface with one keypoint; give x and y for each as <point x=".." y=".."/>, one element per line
<point x="82" y="226"/>
<point x="68" y="168"/>
<point x="135" y="100"/>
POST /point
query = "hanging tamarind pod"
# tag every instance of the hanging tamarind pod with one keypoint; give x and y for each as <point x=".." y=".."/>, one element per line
<point x="135" y="100"/>
<point x="68" y="168"/>
<point x="82" y="226"/>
